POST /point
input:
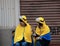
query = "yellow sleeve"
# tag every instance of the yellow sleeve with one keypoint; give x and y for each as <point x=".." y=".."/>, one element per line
<point x="45" y="31"/>
<point x="37" y="31"/>
<point x="30" y="29"/>
<point x="16" y="34"/>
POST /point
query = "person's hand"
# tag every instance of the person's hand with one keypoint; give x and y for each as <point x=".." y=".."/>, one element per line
<point x="34" y="34"/>
<point x="38" y="38"/>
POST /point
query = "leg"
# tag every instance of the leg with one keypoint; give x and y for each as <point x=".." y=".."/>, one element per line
<point x="45" y="42"/>
<point x="28" y="44"/>
<point x="17" y="44"/>
<point x="38" y="43"/>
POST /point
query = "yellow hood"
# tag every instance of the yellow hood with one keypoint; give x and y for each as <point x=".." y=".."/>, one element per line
<point x="23" y="18"/>
<point x="40" y="20"/>
<point x="21" y="32"/>
<point x="44" y="29"/>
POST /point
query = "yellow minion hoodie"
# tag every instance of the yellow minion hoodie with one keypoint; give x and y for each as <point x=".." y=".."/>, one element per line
<point x="21" y="32"/>
<point x="44" y="31"/>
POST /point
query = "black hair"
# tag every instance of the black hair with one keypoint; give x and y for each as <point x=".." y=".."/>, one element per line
<point x="13" y="31"/>
<point x="40" y="24"/>
<point x="20" y="20"/>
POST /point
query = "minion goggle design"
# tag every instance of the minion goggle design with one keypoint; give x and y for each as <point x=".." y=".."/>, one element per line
<point x="23" y="19"/>
<point x="40" y="20"/>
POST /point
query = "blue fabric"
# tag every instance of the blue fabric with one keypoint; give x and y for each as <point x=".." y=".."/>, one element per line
<point x="17" y="44"/>
<point x="46" y="36"/>
<point x="12" y="41"/>
<point x="25" y="44"/>
<point x="37" y="43"/>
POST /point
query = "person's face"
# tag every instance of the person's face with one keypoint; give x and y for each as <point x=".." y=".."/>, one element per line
<point x="13" y="33"/>
<point x="22" y="23"/>
<point x="40" y="25"/>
